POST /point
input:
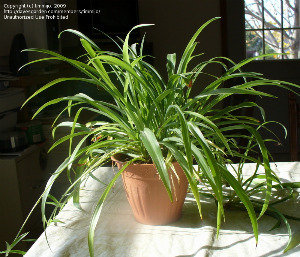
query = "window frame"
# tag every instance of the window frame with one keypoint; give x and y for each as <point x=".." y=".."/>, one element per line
<point x="263" y="29"/>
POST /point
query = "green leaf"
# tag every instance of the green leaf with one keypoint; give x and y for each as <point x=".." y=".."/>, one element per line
<point x="171" y="64"/>
<point x="202" y="141"/>
<point x="214" y="127"/>
<point x="187" y="53"/>
<point x="226" y="92"/>
<point x="98" y="64"/>
<point x="267" y="168"/>
<point x="84" y="68"/>
<point x="185" y="135"/>
<point x="151" y="144"/>
<point x="79" y="34"/>
<point x="244" y="198"/>
<point x="82" y="163"/>
<point x="179" y="157"/>
<point x="98" y="208"/>
<point x="293" y="241"/>
<point x="125" y="45"/>
<point x="212" y="166"/>
<point x="53" y="82"/>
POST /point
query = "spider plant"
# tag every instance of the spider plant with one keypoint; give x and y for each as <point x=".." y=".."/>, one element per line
<point x="155" y="120"/>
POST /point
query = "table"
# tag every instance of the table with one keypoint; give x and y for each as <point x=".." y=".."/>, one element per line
<point x="118" y="234"/>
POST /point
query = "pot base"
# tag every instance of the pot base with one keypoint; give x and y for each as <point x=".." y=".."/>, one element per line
<point x="148" y="197"/>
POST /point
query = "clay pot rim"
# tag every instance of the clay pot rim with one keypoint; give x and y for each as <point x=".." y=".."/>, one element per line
<point x="144" y="164"/>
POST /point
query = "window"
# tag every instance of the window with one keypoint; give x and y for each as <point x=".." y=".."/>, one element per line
<point x="273" y="26"/>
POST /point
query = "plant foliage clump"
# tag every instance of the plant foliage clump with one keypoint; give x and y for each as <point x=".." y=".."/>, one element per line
<point x="155" y="120"/>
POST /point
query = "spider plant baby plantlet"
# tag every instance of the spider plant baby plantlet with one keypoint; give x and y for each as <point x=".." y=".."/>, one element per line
<point x="155" y="121"/>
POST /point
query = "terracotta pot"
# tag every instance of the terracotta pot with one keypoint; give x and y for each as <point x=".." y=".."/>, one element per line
<point x="147" y="195"/>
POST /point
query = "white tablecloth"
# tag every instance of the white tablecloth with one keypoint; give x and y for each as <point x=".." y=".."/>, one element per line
<point x="118" y="234"/>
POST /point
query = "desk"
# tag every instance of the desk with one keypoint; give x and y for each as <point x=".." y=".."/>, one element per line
<point x="118" y="234"/>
